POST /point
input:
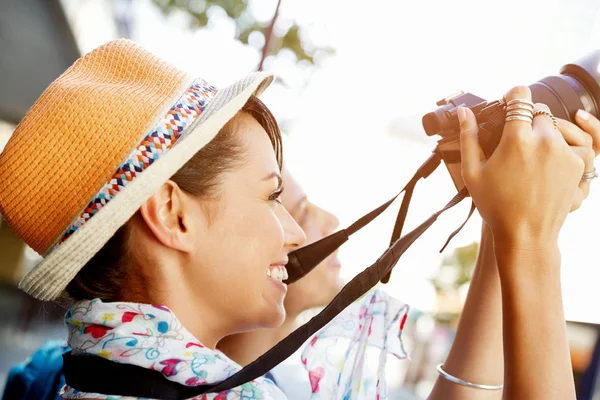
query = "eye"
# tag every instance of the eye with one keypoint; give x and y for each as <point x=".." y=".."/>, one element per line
<point x="303" y="216"/>
<point x="275" y="196"/>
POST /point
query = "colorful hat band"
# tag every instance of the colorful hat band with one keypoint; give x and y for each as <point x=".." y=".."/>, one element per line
<point x="156" y="143"/>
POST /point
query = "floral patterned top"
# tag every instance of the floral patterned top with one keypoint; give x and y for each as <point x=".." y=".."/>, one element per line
<point x="152" y="337"/>
<point x="345" y="360"/>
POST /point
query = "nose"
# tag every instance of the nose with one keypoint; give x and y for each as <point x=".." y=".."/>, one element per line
<point x="294" y="235"/>
<point x="328" y="222"/>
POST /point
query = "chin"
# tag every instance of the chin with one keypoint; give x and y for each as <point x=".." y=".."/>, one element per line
<point x="334" y="289"/>
<point x="273" y="318"/>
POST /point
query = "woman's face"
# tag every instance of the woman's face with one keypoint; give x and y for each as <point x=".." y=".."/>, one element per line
<point x="244" y="239"/>
<point x="323" y="283"/>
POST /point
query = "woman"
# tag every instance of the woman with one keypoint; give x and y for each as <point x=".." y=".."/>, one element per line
<point x="195" y="227"/>
<point x="295" y="376"/>
<point x="316" y="289"/>
<point x="111" y="98"/>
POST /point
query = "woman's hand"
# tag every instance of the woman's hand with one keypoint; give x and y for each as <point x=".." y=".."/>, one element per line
<point x="525" y="190"/>
<point x="585" y="142"/>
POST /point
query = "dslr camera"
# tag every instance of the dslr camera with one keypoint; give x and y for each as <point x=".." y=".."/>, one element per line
<point x="577" y="86"/>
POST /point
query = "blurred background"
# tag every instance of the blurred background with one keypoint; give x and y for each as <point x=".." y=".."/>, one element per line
<point x="354" y="79"/>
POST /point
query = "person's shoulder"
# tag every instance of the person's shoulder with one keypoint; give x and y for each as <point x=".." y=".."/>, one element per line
<point x="292" y="379"/>
<point x="40" y="376"/>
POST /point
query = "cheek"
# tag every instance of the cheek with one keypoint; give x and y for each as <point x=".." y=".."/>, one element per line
<point x="311" y="231"/>
<point x="322" y="280"/>
<point x="320" y="277"/>
<point x="255" y="240"/>
<point x="241" y="244"/>
<point x="310" y="291"/>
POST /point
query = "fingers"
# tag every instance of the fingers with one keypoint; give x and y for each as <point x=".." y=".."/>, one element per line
<point x="543" y="124"/>
<point x="517" y="129"/>
<point x="574" y="135"/>
<point x="588" y="155"/>
<point x="590" y="125"/>
<point x="585" y="143"/>
<point x="470" y="149"/>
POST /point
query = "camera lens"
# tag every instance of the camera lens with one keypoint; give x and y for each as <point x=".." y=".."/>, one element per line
<point x="577" y="87"/>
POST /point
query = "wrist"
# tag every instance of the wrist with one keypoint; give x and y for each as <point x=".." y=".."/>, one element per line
<point x="486" y="259"/>
<point x="534" y="262"/>
<point x="486" y="231"/>
<point x="523" y="241"/>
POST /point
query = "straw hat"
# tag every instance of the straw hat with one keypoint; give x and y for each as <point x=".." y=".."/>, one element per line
<point x="96" y="145"/>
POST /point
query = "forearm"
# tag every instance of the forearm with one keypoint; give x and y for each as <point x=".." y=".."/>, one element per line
<point x="476" y="353"/>
<point x="537" y="363"/>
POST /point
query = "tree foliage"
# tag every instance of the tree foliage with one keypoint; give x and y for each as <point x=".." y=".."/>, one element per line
<point x="457" y="268"/>
<point x="246" y="24"/>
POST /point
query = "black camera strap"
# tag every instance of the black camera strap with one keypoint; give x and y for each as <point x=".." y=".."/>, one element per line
<point x="94" y="374"/>
<point x="423" y="172"/>
<point x="303" y="260"/>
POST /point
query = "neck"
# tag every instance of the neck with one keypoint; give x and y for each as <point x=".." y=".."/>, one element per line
<point x="153" y="282"/>
<point x="246" y="347"/>
<point x="208" y="330"/>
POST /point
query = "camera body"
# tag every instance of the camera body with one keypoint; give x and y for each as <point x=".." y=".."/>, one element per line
<point x="576" y="87"/>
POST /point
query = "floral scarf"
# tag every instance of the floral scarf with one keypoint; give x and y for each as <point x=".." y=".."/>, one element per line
<point x="347" y="358"/>
<point x="151" y="336"/>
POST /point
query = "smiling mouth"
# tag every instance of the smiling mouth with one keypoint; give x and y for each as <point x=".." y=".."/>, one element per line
<point x="277" y="272"/>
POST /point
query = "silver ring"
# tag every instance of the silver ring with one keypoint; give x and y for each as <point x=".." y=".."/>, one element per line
<point x="458" y="381"/>
<point x="518" y="107"/>
<point x="519" y="118"/>
<point x="520" y="101"/>
<point x="547" y="114"/>
<point x="520" y="112"/>
<point x="588" y="176"/>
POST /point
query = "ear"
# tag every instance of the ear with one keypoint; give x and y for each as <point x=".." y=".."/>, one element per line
<point x="164" y="213"/>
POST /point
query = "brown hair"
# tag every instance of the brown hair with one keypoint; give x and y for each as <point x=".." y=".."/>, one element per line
<point x="105" y="275"/>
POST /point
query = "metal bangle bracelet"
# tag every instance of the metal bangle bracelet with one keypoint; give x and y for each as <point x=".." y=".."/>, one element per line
<point x="458" y="381"/>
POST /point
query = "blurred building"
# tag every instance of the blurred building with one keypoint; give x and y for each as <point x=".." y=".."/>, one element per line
<point x="37" y="46"/>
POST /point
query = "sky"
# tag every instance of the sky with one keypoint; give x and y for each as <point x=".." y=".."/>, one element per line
<point x="355" y="139"/>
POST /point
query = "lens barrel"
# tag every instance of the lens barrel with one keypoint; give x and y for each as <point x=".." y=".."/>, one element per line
<point x="576" y="87"/>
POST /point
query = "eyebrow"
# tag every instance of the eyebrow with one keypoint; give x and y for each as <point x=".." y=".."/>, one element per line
<point x="274" y="175"/>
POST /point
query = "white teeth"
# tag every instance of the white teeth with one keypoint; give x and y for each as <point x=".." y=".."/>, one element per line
<point x="278" y="272"/>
